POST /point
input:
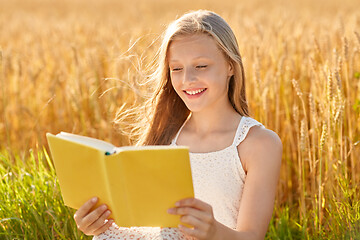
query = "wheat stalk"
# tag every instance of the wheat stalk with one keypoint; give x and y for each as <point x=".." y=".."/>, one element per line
<point x="357" y="37"/>
<point x="296" y="87"/>
<point x="345" y="48"/>
<point x="313" y="110"/>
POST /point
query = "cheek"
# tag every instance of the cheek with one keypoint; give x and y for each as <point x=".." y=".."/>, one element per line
<point x="214" y="77"/>
<point x="222" y="78"/>
<point x="175" y="83"/>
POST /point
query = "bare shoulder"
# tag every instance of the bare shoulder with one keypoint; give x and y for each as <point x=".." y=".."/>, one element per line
<point x="262" y="137"/>
<point x="260" y="147"/>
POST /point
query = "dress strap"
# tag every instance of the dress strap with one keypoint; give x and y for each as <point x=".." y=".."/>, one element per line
<point x="173" y="142"/>
<point x="244" y="126"/>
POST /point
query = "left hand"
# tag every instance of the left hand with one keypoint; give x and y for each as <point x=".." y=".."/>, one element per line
<point x="198" y="214"/>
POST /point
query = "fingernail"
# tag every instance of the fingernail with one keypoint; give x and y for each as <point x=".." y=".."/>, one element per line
<point x="177" y="204"/>
<point x="170" y="210"/>
<point x="94" y="199"/>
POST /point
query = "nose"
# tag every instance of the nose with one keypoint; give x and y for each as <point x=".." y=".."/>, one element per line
<point x="189" y="75"/>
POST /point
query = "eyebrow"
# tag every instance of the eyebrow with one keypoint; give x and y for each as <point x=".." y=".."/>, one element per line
<point x="200" y="57"/>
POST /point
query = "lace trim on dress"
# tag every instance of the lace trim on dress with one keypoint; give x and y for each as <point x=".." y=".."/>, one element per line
<point x="245" y="124"/>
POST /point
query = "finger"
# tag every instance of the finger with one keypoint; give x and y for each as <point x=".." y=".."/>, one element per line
<point x="93" y="216"/>
<point x="99" y="222"/>
<point x="85" y="208"/>
<point x="194" y="202"/>
<point x="202" y="215"/>
<point x="198" y="234"/>
<point x="193" y="221"/>
<point x="104" y="228"/>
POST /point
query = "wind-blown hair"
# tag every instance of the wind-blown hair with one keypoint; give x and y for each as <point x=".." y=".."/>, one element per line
<point x="157" y="121"/>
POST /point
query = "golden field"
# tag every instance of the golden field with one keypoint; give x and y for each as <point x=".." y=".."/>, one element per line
<point x="70" y="65"/>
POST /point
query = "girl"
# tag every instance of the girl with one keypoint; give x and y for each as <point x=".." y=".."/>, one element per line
<point x="200" y="102"/>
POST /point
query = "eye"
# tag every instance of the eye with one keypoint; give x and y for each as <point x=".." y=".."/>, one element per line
<point x="176" y="69"/>
<point x="201" y="66"/>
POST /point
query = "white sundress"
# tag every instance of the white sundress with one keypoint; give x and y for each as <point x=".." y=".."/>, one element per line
<point x="218" y="179"/>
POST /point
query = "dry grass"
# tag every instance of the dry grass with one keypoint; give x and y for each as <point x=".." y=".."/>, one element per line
<point x="69" y="65"/>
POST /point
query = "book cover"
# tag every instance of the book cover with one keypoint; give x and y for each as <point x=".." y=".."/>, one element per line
<point x="138" y="184"/>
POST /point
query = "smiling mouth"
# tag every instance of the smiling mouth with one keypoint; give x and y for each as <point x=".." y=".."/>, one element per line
<point x="195" y="92"/>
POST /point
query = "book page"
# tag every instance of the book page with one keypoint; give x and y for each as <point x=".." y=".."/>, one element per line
<point x="88" y="141"/>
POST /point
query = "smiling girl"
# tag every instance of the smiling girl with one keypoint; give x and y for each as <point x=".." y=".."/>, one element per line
<point x="200" y="102"/>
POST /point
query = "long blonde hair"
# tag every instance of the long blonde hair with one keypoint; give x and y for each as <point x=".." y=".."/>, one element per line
<point x="158" y="119"/>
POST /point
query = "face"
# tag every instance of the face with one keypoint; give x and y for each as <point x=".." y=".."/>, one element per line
<point x="199" y="72"/>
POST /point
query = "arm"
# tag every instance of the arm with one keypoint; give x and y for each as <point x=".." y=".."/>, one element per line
<point x="261" y="154"/>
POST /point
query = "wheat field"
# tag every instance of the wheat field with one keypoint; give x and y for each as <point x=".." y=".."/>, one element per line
<point x="70" y="65"/>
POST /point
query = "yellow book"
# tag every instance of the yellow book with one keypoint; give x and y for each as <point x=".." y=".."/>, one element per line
<point x="138" y="184"/>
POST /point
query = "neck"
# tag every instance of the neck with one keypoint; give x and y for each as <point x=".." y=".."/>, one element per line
<point x="213" y="119"/>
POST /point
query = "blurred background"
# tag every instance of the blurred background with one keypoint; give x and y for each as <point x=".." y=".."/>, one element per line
<point x="70" y="65"/>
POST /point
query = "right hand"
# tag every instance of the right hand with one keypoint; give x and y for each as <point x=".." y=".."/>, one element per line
<point x="92" y="222"/>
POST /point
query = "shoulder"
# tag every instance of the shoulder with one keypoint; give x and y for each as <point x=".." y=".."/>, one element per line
<point x="259" y="137"/>
<point x="261" y="147"/>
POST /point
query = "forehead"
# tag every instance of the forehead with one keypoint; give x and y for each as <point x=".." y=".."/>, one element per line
<point x="193" y="46"/>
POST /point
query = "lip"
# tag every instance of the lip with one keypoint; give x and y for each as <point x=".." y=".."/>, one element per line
<point x="193" y="89"/>
<point x="195" y="95"/>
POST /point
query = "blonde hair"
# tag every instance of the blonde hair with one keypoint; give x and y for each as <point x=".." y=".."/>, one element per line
<point x="158" y="119"/>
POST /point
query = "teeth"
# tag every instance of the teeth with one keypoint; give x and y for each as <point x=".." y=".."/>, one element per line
<point x="195" y="92"/>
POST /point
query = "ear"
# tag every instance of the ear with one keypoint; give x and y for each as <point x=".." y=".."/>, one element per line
<point x="230" y="69"/>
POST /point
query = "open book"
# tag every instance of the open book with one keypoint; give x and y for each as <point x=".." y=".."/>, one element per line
<point x="138" y="184"/>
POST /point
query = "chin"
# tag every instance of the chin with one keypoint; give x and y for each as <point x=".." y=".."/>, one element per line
<point x="194" y="109"/>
